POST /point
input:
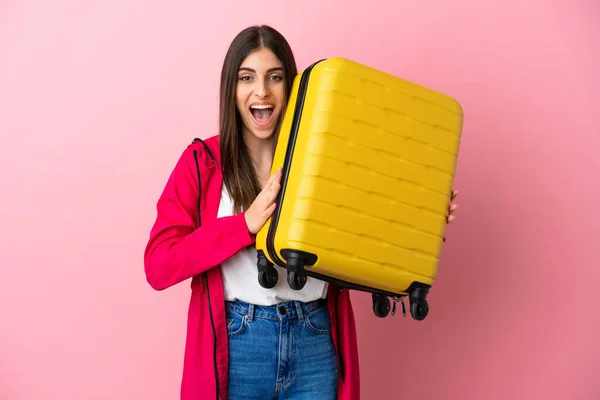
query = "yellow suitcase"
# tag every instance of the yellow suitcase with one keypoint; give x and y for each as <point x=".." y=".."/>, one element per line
<point x="368" y="166"/>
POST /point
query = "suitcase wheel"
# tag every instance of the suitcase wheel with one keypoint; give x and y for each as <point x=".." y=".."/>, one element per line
<point x="419" y="310"/>
<point x="296" y="276"/>
<point x="381" y="305"/>
<point x="267" y="279"/>
<point x="418" y="304"/>
<point x="267" y="274"/>
<point x="296" y="280"/>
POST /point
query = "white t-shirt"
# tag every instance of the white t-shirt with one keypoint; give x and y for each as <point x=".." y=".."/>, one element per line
<point x="240" y="275"/>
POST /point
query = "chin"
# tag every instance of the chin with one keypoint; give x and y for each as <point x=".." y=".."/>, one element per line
<point x="262" y="133"/>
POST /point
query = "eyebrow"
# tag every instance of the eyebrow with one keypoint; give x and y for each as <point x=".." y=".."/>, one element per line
<point x="269" y="70"/>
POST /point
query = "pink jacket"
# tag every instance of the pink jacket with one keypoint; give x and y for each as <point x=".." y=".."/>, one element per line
<point x="179" y="249"/>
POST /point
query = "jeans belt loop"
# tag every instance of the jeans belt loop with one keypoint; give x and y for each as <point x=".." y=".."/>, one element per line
<point x="250" y="312"/>
<point x="299" y="310"/>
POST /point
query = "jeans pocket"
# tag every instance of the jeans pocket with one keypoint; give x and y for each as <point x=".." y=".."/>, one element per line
<point x="236" y="323"/>
<point x="318" y="321"/>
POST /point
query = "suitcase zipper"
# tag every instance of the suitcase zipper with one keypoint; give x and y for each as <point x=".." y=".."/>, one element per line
<point x="287" y="163"/>
<point x="199" y="222"/>
<point x="396" y="300"/>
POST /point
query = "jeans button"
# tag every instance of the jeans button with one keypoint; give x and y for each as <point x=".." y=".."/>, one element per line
<point x="282" y="310"/>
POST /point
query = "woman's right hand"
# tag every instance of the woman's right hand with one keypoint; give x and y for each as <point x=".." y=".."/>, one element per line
<point x="264" y="205"/>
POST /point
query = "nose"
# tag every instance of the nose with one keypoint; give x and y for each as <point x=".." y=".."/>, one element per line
<point x="262" y="89"/>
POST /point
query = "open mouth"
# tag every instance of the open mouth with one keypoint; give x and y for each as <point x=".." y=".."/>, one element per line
<point x="262" y="113"/>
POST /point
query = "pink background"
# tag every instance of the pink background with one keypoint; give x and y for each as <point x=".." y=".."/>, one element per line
<point x="98" y="99"/>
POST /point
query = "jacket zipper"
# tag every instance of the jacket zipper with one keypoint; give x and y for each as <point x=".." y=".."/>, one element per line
<point x="212" y="322"/>
<point x="337" y="330"/>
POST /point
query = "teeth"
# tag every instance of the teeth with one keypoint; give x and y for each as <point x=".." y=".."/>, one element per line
<point x="261" y="106"/>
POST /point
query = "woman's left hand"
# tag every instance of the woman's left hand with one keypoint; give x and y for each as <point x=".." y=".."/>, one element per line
<point x="453" y="206"/>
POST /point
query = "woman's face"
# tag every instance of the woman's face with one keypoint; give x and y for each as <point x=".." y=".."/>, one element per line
<point x="260" y="93"/>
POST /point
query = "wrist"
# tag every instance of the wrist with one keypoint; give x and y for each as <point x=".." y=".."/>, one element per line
<point x="245" y="216"/>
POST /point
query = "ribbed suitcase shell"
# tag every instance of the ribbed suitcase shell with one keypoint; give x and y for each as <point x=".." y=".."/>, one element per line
<point x="368" y="167"/>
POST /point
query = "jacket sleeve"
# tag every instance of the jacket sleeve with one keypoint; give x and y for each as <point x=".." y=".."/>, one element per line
<point x="177" y="249"/>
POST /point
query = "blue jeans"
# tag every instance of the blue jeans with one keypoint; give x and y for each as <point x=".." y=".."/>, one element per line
<point x="281" y="352"/>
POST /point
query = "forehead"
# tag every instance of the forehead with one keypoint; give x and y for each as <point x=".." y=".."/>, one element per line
<point x="261" y="61"/>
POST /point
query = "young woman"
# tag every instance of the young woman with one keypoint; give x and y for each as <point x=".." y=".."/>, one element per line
<point x="244" y="341"/>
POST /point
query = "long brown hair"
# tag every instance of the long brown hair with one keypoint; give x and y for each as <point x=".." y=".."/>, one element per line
<point x="239" y="175"/>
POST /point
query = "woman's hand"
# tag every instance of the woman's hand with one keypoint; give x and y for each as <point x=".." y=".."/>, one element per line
<point x="264" y="205"/>
<point x="451" y="208"/>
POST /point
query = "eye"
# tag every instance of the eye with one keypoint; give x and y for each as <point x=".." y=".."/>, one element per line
<point x="244" y="78"/>
<point x="277" y="77"/>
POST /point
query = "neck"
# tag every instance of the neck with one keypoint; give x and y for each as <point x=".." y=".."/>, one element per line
<point x="261" y="152"/>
